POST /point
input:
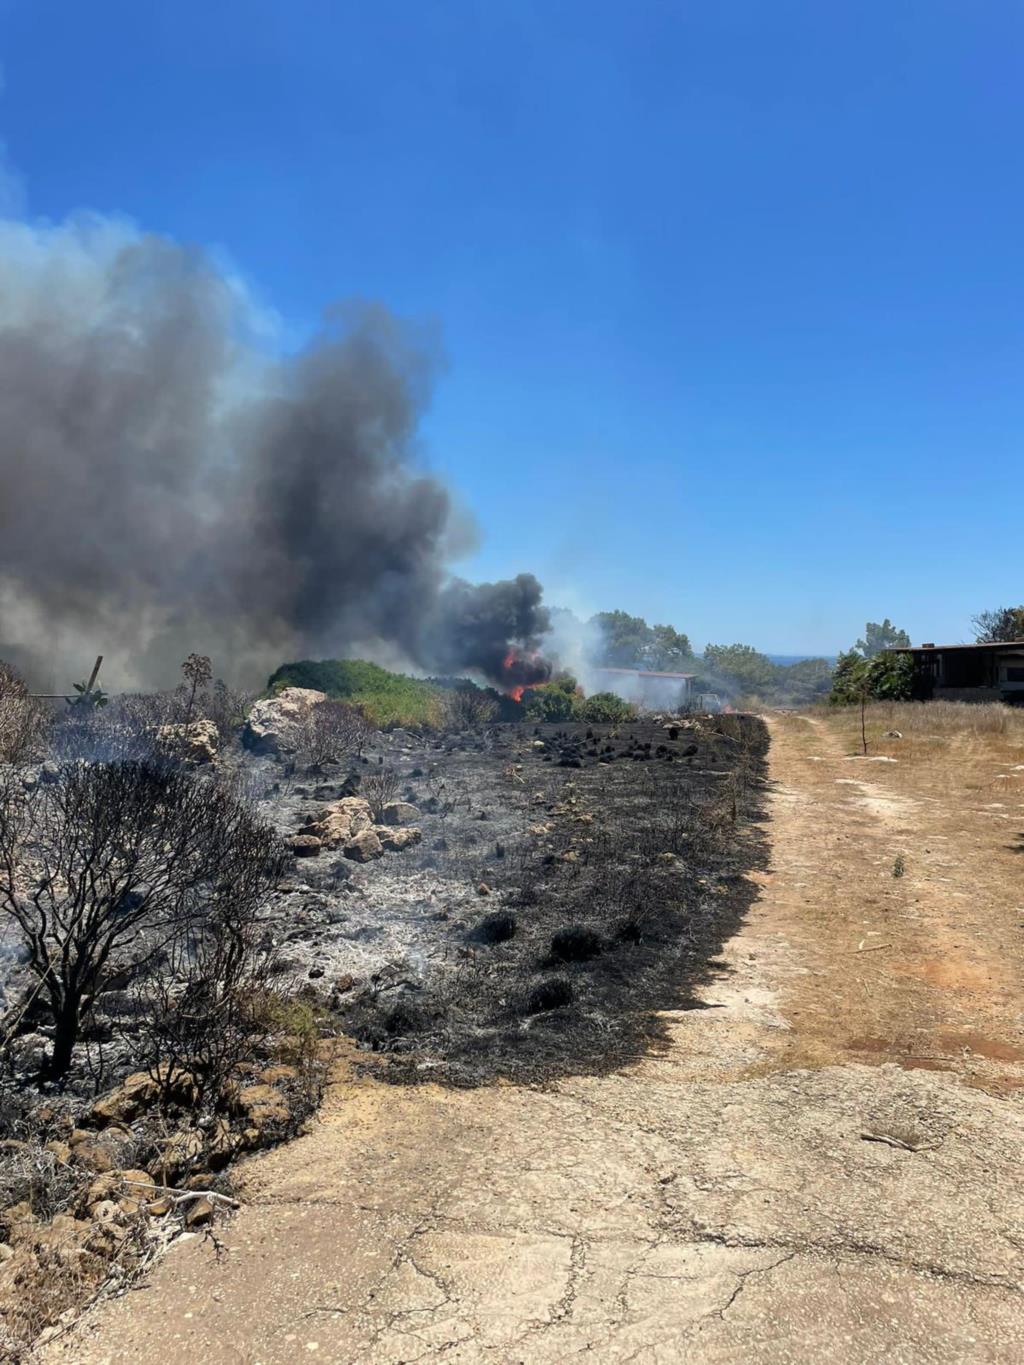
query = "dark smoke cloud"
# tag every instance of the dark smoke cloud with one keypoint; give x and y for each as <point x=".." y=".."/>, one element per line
<point x="483" y="619"/>
<point x="166" y="486"/>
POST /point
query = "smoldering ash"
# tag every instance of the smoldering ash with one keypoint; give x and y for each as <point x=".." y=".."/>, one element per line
<point x="168" y="486"/>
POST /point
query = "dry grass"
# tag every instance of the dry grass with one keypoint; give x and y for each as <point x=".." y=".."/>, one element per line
<point x="945" y="748"/>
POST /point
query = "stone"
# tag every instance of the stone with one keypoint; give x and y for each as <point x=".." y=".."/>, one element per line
<point x="364" y="847"/>
<point x="177" y="1153"/>
<point x="126" y="1101"/>
<point x="133" y="1184"/>
<point x="273" y="723"/>
<point x="274" y="1075"/>
<point x="137" y="1093"/>
<point x="305" y="845"/>
<point x="394" y="840"/>
<point x="398" y="813"/>
<point x="199" y="1213"/>
<point x="196" y="742"/>
<point x="263" y="1105"/>
<point x="339" y="822"/>
<point x="93" y="1156"/>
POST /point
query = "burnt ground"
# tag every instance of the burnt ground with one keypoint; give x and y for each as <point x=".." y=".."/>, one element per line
<point x="823" y="1165"/>
<point x="572" y="883"/>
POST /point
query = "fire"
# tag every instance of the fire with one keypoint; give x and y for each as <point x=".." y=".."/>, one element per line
<point x="521" y="670"/>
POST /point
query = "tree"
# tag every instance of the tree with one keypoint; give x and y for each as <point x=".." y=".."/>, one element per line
<point x="629" y="642"/>
<point x="625" y="639"/>
<point x="999" y="626"/>
<point x="743" y="665"/>
<point x="102" y="868"/>
<point x="881" y="636"/>
<point x="669" y="650"/>
<point x="884" y="677"/>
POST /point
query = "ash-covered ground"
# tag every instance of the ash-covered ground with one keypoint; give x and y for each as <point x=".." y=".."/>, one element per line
<point x="571" y="882"/>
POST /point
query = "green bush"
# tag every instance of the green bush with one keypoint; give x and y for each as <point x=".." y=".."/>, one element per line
<point x="884" y="677"/>
<point x="550" y="702"/>
<point x="605" y="708"/>
<point x="385" y="699"/>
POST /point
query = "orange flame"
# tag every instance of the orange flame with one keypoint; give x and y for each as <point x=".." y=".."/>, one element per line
<point x="516" y="693"/>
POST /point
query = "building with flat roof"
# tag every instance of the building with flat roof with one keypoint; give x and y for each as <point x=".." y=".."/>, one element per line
<point x="669" y="691"/>
<point x="984" y="672"/>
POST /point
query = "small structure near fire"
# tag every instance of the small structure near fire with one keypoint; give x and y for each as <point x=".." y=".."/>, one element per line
<point x="981" y="673"/>
<point x="657" y="690"/>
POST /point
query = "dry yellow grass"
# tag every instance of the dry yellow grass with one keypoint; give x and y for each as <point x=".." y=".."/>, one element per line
<point x="956" y="743"/>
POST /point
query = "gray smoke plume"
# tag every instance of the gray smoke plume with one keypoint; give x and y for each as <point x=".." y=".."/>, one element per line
<point x="167" y="484"/>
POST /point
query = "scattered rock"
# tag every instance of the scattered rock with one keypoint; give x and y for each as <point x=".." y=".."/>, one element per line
<point x="364" y="847"/>
<point x="138" y="1093"/>
<point x="398" y="813"/>
<point x="274" y="1075"/>
<point x="394" y="840"/>
<point x="305" y="845"/>
<point x="272" y="727"/>
<point x="338" y="823"/>
<point x="200" y="1213"/>
<point x="262" y="1105"/>
<point x="196" y="742"/>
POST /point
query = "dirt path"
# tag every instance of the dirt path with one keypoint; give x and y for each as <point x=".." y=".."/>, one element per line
<point x="822" y="1165"/>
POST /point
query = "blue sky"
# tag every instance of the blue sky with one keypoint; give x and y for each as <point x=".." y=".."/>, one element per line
<point x="731" y="293"/>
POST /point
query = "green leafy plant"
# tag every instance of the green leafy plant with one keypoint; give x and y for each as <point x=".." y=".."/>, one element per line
<point x="88" y="698"/>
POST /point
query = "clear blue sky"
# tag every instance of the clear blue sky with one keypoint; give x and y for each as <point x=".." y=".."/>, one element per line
<point x="731" y="292"/>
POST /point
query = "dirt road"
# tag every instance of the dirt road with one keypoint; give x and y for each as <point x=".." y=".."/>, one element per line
<point x="823" y="1164"/>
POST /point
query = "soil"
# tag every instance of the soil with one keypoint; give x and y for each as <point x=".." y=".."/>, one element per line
<point x="820" y="1164"/>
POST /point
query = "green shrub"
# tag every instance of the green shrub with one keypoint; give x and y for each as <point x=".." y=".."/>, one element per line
<point x="884" y="677"/>
<point x="605" y="708"/>
<point x="550" y="702"/>
<point x="385" y="699"/>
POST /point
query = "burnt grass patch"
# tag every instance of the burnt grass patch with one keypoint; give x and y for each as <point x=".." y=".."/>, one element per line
<point x="584" y="881"/>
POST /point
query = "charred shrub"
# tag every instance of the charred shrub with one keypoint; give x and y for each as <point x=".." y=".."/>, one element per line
<point x="330" y="732"/>
<point x="553" y="993"/>
<point x="111" y="862"/>
<point x="496" y="928"/>
<point x="575" y="944"/>
<point x="468" y="707"/>
<point x="24" y="721"/>
<point x="379" y="789"/>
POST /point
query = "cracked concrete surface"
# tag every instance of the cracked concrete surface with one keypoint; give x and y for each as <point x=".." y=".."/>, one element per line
<point x="753" y="1192"/>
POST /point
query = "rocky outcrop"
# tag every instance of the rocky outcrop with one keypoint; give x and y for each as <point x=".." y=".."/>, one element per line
<point x="337" y="824"/>
<point x="272" y="727"/>
<point x="348" y="824"/>
<point x="305" y="845"/>
<point x="196" y="742"/>
<point x="399" y="813"/>
<point x="364" y="847"/>
<point x="394" y="840"/>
